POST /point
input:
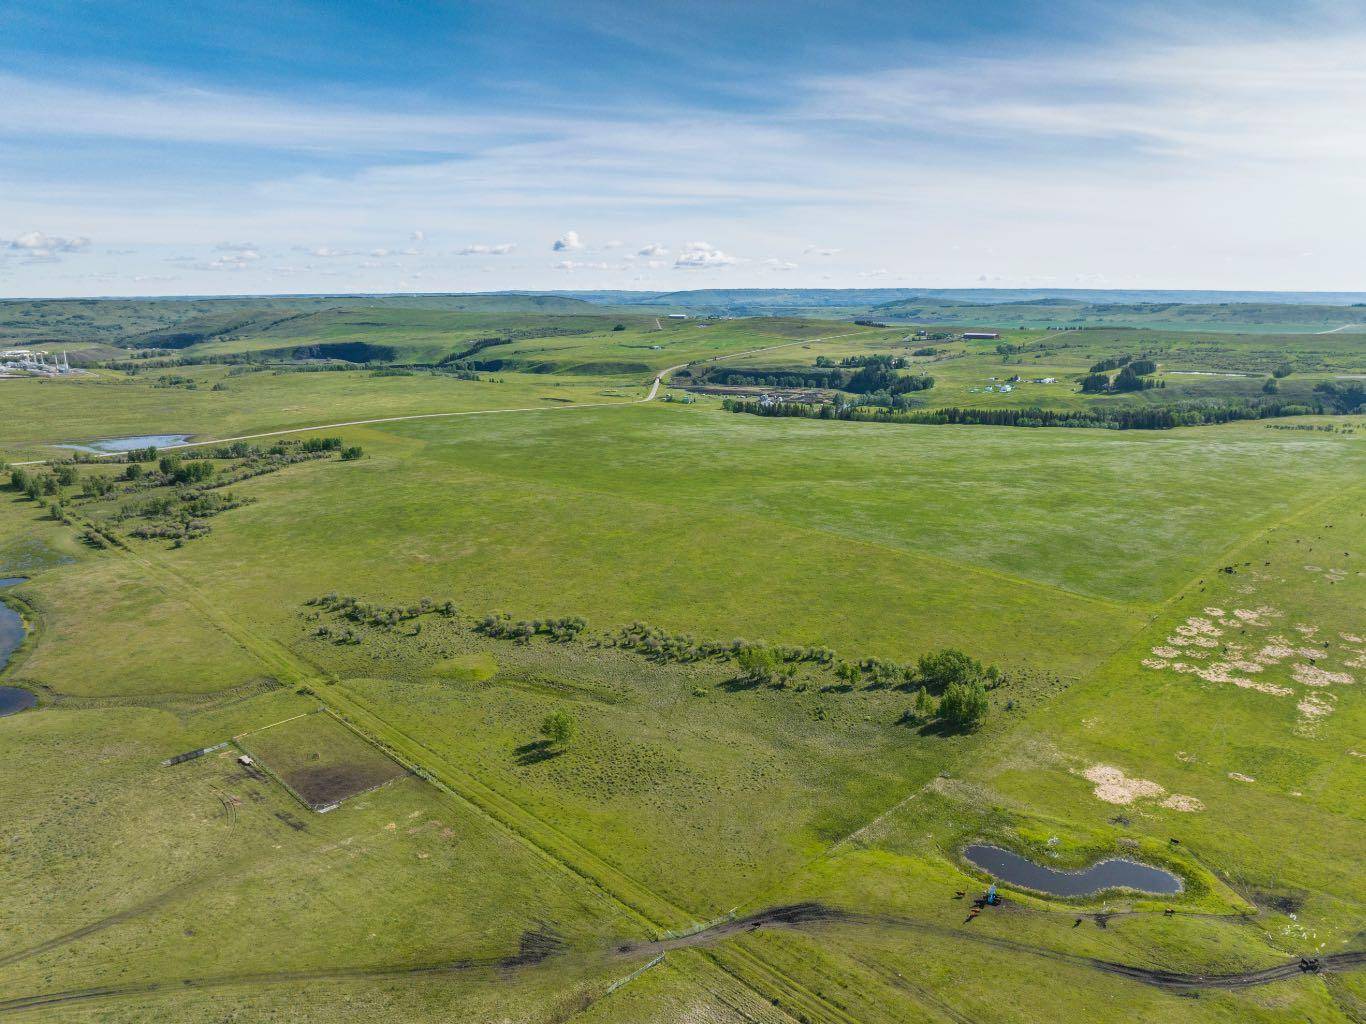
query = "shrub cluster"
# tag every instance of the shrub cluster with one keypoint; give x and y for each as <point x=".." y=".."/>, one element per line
<point x="385" y="616"/>
<point x="562" y="629"/>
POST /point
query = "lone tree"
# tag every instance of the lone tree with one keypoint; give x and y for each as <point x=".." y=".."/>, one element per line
<point x="925" y="706"/>
<point x="964" y="706"/>
<point x="558" y="728"/>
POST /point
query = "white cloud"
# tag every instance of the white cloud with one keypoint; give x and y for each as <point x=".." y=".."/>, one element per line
<point x="879" y="272"/>
<point x="236" y="246"/>
<point x="777" y="264"/>
<point x="34" y="245"/>
<point x="653" y="249"/>
<point x="567" y="242"/>
<point x="418" y="236"/>
<point x="701" y="256"/>
<point x="573" y="265"/>
<point x="379" y="254"/>
<point x="480" y="249"/>
<point x="326" y="252"/>
<point x="815" y="250"/>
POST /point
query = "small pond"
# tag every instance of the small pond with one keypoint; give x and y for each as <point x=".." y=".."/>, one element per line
<point x="128" y="444"/>
<point x="12" y="698"/>
<point x="1116" y="873"/>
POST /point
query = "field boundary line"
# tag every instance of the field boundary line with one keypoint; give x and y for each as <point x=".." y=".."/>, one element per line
<point x="622" y="982"/>
<point x="1227" y="555"/>
<point x="272" y="725"/>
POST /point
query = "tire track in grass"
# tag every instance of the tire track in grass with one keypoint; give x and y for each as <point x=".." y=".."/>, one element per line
<point x="815" y="916"/>
<point x="742" y="965"/>
<point x="534" y="948"/>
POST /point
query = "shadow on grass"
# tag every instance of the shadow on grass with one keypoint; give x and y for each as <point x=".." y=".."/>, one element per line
<point x="933" y="727"/>
<point x="536" y="752"/>
<point x="739" y="683"/>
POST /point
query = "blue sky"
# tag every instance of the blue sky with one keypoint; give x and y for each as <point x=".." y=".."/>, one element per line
<point x="195" y="148"/>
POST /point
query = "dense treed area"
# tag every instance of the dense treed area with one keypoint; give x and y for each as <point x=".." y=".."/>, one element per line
<point x="168" y="496"/>
<point x="1186" y="414"/>
<point x="860" y="375"/>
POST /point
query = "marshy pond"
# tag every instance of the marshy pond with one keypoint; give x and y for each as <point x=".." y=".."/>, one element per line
<point x="127" y="444"/>
<point x="13" y="699"/>
<point x="1116" y="873"/>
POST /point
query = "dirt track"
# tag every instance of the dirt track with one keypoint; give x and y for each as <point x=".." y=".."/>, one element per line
<point x="535" y="946"/>
<point x="804" y="916"/>
<point x="540" y="945"/>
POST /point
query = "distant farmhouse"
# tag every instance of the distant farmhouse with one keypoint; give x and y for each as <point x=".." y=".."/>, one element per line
<point x="980" y="335"/>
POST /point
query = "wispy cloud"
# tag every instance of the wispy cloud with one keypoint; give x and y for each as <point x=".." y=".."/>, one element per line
<point x="478" y="249"/>
<point x="1282" y="101"/>
<point x="572" y="265"/>
<point x="1216" y="154"/>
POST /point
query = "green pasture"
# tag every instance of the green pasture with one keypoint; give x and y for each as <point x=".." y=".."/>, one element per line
<point x="1177" y="614"/>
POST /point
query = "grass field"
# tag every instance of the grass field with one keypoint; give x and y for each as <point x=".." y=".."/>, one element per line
<point x="1176" y="617"/>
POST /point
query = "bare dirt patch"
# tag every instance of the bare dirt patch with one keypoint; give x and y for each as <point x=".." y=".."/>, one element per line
<point x="329" y="784"/>
<point x="1114" y="787"/>
<point x="1312" y="675"/>
<point x="1181" y="802"/>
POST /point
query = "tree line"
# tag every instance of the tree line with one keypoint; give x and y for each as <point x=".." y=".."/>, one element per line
<point x="950" y="687"/>
<point x="1169" y="417"/>
<point x="876" y="375"/>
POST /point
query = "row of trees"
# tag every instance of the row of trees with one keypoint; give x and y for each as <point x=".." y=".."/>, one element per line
<point x="873" y="374"/>
<point x="353" y="609"/>
<point x="1184" y="414"/>
<point x="562" y="629"/>
<point x="951" y="686"/>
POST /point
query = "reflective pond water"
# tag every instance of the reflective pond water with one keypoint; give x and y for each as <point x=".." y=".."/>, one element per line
<point x="1115" y="873"/>
<point x="128" y="444"/>
<point x="12" y="698"/>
